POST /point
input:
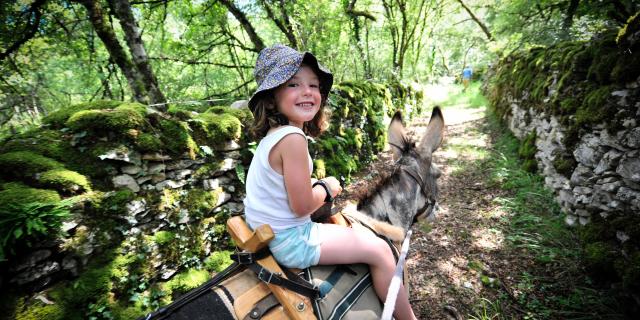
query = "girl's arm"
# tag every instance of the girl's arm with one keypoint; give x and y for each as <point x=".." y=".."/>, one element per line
<point x="291" y="156"/>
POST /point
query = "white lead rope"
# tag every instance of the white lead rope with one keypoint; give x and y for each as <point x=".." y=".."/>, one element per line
<point x="394" y="287"/>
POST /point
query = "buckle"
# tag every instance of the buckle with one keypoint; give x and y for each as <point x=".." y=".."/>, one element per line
<point x="244" y="257"/>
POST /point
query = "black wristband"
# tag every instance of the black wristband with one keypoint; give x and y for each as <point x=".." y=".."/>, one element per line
<point x="328" y="198"/>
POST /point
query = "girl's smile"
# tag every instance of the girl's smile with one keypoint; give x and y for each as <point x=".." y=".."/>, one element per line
<point x="299" y="98"/>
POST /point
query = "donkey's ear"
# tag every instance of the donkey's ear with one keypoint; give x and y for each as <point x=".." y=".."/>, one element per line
<point x="435" y="132"/>
<point x="396" y="135"/>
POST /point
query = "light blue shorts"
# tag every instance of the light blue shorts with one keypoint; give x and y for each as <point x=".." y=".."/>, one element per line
<point x="297" y="247"/>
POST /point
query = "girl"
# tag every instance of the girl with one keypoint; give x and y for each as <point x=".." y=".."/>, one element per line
<point x="287" y="106"/>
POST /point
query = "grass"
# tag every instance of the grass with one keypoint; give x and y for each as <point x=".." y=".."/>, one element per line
<point x="554" y="285"/>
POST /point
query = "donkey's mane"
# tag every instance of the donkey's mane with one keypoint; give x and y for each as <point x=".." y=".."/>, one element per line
<point x="364" y="189"/>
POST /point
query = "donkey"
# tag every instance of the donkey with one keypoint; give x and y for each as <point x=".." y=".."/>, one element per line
<point x="345" y="292"/>
<point x="410" y="192"/>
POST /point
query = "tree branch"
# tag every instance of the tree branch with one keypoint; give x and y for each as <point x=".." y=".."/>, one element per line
<point x="30" y="29"/>
<point x="480" y="24"/>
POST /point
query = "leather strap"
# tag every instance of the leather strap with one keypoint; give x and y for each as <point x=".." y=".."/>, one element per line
<point x="263" y="306"/>
<point x="250" y="260"/>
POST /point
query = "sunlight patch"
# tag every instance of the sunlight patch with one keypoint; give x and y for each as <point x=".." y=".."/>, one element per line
<point x="488" y="238"/>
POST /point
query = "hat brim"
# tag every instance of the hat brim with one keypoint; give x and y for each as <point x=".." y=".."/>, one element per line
<point x="325" y="77"/>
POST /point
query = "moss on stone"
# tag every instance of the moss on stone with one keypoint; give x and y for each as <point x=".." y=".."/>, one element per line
<point x="185" y="281"/>
<point x="163" y="237"/>
<point x="244" y="114"/>
<point x="200" y="202"/>
<point x="16" y="193"/>
<point x="25" y="164"/>
<point x="218" y="261"/>
<point x="93" y="283"/>
<point x="37" y="310"/>
<point x="207" y="169"/>
<point x="115" y="202"/>
<point x="65" y="181"/>
<point x="527" y="151"/>
<point x="58" y="118"/>
<point x="100" y="122"/>
<point x="148" y="142"/>
<point x="214" y="129"/>
<point x="594" y="107"/>
<point x="49" y="143"/>
<point x="177" y="138"/>
<point x="564" y="165"/>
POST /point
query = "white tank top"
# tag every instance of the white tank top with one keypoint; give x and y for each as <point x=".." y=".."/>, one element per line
<point x="266" y="201"/>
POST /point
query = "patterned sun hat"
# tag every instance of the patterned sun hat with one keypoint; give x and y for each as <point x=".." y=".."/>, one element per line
<point x="277" y="64"/>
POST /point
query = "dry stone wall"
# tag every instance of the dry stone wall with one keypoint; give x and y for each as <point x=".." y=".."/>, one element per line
<point x="606" y="178"/>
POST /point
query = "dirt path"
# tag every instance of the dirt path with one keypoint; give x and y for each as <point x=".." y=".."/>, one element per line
<point x="445" y="255"/>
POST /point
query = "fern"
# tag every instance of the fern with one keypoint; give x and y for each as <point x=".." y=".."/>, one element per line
<point x="27" y="222"/>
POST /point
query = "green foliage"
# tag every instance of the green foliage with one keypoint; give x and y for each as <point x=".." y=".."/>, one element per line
<point x="66" y="181"/>
<point x="26" y="164"/>
<point x="25" y="223"/>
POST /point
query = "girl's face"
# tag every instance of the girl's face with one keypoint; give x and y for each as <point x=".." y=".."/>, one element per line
<point x="299" y="98"/>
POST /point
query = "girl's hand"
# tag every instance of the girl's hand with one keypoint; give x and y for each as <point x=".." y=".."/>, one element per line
<point x="334" y="186"/>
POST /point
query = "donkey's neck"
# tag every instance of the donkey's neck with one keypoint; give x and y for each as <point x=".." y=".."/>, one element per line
<point x="392" y="205"/>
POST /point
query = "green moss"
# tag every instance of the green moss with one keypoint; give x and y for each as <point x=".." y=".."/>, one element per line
<point x="26" y="164"/>
<point x="18" y="194"/>
<point x="594" y="107"/>
<point x="527" y="151"/>
<point x="59" y="117"/>
<point x="114" y="202"/>
<point x="186" y="281"/>
<point x="200" y="202"/>
<point x="627" y="68"/>
<point x="207" y="169"/>
<point x="66" y="181"/>
<point x="565" y="165"/>
<point x="92" y="284"/>
<point x="177" y="138"/>
<point x="244" y="115"/>
<point x="212" y="129"/>
<point x="38" y="310"/>
<point x="218" y="261"/>
<point x="49" y="143"/>
<point x="148" y="142"/>
<point x="119" y="120"/>
<point x="164" y="237"/>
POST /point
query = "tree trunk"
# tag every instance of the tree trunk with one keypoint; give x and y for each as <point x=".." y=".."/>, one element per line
<point x="116" y="51"/>
<point x="122" y="9"/>
<point x="354" y="14"/>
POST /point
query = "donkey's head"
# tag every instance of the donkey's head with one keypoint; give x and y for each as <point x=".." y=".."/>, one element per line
<point x="410" y="193"/>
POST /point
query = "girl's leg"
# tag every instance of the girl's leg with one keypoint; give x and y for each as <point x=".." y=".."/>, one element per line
<point x="342" y="245"/>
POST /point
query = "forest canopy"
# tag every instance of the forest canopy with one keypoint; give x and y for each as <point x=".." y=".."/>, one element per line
<point x="58" y="52"/>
